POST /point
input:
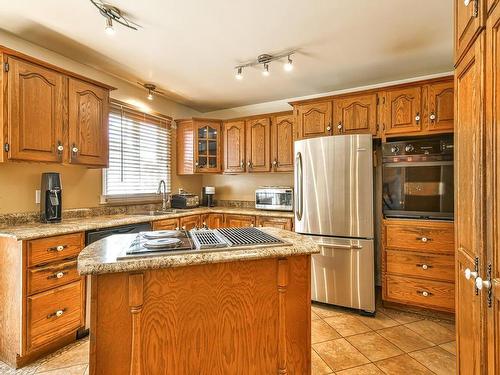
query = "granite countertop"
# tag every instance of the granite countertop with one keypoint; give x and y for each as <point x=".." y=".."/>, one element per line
<point x="38" y="230"/>
<point x="101" y="256"/>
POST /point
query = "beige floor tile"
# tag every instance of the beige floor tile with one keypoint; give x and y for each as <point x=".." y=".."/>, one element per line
<point x="321" y="331"/>
<point x="347" y="325"/>
<point x="450" y="347"/>
<point x="449" y="325"/>
<point x="325" y="311"/>
<point x="402" y="365"/>
<point x="405" y="339"/>
<point x="318" y="366"/>
<point x="339" y="354"/>
<point x="401" y="317"/>
<point x="72" y="370"/>
<point x="314" y="316"/>
<point x="379" y="321"/>
<point x="373" y="346"/>
<point x="432" y="331"/>
<point x="436" y="359"/>
<point x="76" y="355"/>
<point x="369" y="369"/>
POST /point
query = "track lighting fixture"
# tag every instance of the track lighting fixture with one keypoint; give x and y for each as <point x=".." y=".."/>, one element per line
<point x="239" y="74"/>
<point x="112" y="13"/>
<point x="151" y="89"/>
<point x="109" y="27"/>
<point x="265" y="60"/>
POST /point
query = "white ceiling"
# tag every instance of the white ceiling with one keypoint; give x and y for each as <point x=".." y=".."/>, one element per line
<point x="190" y="47"/>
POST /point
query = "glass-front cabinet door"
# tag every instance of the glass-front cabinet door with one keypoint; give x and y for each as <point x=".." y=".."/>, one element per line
<point x="207" y="147"/>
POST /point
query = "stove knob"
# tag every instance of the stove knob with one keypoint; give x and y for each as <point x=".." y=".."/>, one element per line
<point x="394" y="149"/>
<point x="409" y="148"/>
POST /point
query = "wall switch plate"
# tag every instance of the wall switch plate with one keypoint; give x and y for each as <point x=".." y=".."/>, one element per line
<point x="37" y="196"/>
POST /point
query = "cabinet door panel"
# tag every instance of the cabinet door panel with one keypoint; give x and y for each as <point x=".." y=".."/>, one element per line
<point x="282" y="131"/>
<point x="403" y="111"/>
<point x="469" y="200"/>
<point x="237" y="221"/>
<point x="275" y="222"/>
<point x="190" y="222"/>
<point x="234" y="146"/>
<point x="469" y="19"/>
<point x="213" y="221"/>
<point x="258" y="145"/>
<point x="36" y="112"/>
<point x="355" y="115"/>
<point x="207" y="146"/>
<point x="88" y="123"/>
<point x="440" y="115"/>
<point x="314" y="120"/>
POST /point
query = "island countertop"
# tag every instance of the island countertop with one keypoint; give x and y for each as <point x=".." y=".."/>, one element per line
<point x="102" y="256"/>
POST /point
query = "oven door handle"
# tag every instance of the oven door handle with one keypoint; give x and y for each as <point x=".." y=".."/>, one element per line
<point x="299" y="186"/>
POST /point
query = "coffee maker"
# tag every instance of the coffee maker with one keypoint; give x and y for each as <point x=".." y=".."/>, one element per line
<point x="51" y="198"/>
<point x="207" y="196"/>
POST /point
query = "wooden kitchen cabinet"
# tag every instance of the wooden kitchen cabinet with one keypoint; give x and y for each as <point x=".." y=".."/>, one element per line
<point x="258" y="148"/>
<point x="402" y="110"/>
<point x="314" y="119"/>
<point x="88" y="123"/>
<point x="469" y="21"/>
<point x="35" y="105"/>
<point x="189" y="222"/>
<point x="234" y="146"/>
<point x="237" y="221"/>
<point x="212" y="220"/>
<point x="275" y="222"/>
<point x="282" y="137"/>
<point x="199" y="146"/>
<point x="439" y="116"/>
<point x="355" y="114"/>
<point x="166" y="224"/>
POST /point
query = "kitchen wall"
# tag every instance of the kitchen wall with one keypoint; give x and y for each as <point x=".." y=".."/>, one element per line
<point x="82" y="186"/>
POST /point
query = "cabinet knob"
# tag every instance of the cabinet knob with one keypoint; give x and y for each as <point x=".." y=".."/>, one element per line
<point x="328" y="128"/>
<point x="75" y="149"/>
<point x="183" y="227"/>
<point x="468" y="274"/>
<point x="432" y="116"/>
<point x="424" y="266"/>
<point x="196" y="164"/>
<point x="423" y="239"/>
<point x="417" y="117"/>
<point x="424" y="293"/>
<point x="339" y="126"/>
<point x="242" y="164"/>
<point x="480" y="283"/>
<point x="60" y="148"/>
<point x="275" y="162"/>
<point x="56" y="314"/>
<point x="59" y="275"/>
<point x="60" y="248"/>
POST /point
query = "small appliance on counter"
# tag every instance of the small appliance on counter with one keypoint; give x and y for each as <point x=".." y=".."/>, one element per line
<point x="185" y="200"/>
<point x="207" y="196"/>
<point x="278" y="198"/>
<point x="51" y="198"/>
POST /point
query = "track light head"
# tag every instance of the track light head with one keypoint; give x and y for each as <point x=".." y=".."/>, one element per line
<point x="109" y="26"/>
<point x="289" y="65"/>
<point x="239" y="74"/>
<point x="266" y="72"/>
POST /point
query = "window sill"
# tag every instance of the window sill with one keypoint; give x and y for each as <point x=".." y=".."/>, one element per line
<point x="129" y="199"/>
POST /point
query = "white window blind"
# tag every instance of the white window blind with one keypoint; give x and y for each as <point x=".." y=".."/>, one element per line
<point x="139" y="153"/>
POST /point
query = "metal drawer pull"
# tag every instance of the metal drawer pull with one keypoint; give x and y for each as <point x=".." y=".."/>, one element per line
<point x="348" y="247"/>
<point x="423" y="239"/>
<point x="56" y="314"/>
<point x="57" y="275"/>
<point x="424" y="293"/>
<point x="424" y="266"/>
<point x="57" y="248"/>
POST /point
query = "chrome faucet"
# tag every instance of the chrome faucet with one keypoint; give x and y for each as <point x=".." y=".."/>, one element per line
<point x="165" y="197"/>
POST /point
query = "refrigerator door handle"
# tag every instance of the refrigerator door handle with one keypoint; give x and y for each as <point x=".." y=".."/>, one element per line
<point x="298" y="183"/>
<point x="348" y="247"/>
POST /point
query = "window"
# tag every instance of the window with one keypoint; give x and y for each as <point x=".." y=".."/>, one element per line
<point x="139" y="154"/>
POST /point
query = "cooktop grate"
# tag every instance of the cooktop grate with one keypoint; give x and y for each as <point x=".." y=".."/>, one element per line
<point x="248" y="236"/>
<point x="203" y="238"/>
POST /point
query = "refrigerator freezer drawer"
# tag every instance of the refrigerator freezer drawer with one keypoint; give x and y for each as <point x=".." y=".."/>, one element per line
<point x="343" y="273"/>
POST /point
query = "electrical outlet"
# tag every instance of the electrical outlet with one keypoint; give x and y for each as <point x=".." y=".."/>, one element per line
<point x="37" y="196"/>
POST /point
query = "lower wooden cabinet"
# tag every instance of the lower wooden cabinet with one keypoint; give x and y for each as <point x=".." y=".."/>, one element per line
<point x="236" y="221"/>
<point x="190" y="222"/>
<point x="418" y="263"/>
<point x="166" y="224"/>
<point x="43" y="278"/>
<point x="212" y="221"/>
<point x="275" y="222"/>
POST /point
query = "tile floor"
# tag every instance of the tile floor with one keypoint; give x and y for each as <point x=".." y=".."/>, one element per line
<point x="343" y="343"/>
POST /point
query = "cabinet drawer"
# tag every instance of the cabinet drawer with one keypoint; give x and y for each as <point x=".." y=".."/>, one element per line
<point x="43" y="278"/>
<point x="45" y="250"/>
<point x="425" y="293"/>
<point x="433" y="266"/>
<point x="167" y="224"/>
<point x="424" y="238"/>
<point x="54" y="313"/>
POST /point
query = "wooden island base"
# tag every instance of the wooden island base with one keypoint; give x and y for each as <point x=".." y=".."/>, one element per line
<point x="243" y="317"/>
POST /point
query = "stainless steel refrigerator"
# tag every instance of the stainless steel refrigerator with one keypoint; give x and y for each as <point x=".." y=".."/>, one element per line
<point x="334" y="206"/>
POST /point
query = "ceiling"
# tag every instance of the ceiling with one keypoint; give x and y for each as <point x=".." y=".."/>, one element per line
<point x="189" y="48"/>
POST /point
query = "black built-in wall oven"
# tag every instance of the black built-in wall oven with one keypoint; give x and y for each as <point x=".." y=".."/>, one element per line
<point x="417" y="178"/>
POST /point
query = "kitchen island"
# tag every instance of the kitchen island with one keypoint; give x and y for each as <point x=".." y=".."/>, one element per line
<point x="231" y="311"/>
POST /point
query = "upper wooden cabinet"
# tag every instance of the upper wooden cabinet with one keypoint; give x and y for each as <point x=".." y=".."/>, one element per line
<point x="439" y="115"/>
<point x="469" y="21"/>
<point x="88" y="123"/>
<point x="199" y="146"/>
<point x="314" y="119"/>
<point x="234" y="146"/>
<point x="355" y="114"/>
<point x="35" y="119"/>
<point x="258" y="136"/>
<point x="282" y="137"/>
<point x="402" y="110"/>
<point x="51" y="115"/>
